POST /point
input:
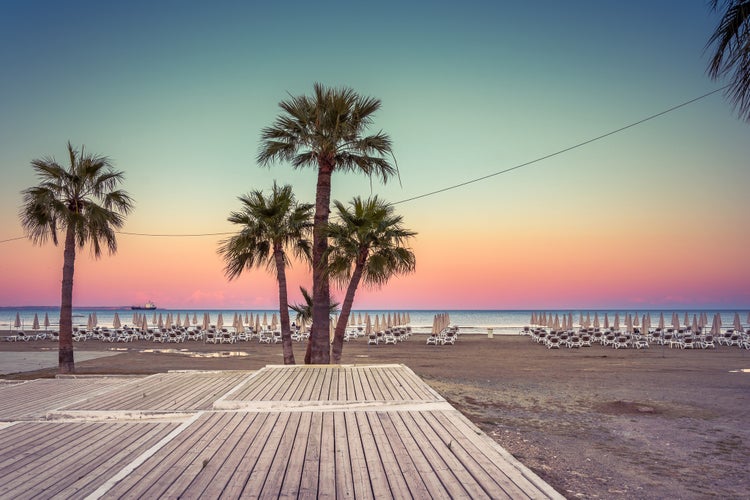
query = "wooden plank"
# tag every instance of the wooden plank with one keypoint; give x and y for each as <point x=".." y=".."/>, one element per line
<point x="95" y="462"/>
<point x="422" y="463"/>
<point x="387" y="457"/>
<point x="282" y="458"/>
<point x="292" y="483"/>
<point x="506" y="474"/>
<point x="402" y="458"/>
<point x="360" y="476"/>
<point x="156" y="474"/>
<point x="38" y="449"/>
<point x="245" y="469"/>
<point x="464" y="472"/>
<point x="378" y="478"/>
<point x="342" y="473"/>
<point x="327" y="480"/>
<point x="214" y="477"/>
<point x="260" y="473"/>
<point x="309" y="477"/>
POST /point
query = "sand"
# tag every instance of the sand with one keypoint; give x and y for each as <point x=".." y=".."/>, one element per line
<point x="593" y="422"/>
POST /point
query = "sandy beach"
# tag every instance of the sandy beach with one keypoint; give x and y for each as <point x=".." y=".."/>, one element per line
<point x="593" y="422"/>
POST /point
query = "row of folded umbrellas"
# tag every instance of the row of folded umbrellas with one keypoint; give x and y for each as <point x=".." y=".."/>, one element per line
<point x="698" y="322"/>
<point x="240" y="321"/>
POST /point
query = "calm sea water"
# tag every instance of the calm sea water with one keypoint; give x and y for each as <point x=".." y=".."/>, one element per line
<point x="470" y="321"/>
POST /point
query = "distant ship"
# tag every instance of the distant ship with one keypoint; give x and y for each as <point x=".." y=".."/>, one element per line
<point x="148" y="306"/>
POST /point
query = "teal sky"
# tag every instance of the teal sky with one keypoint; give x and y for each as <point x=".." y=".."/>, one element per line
<point x="176" y="93"/>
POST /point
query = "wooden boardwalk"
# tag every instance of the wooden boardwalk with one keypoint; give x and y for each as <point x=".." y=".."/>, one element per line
<point x="302" y="431"/>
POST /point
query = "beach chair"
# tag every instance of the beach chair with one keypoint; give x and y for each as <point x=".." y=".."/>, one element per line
<point x="707" y="342"/>
<point x="372" y="339"/>
<point x="688" y="342"/>
<point x="450" y="337"/>
<point x="389" y="338"/>
<point x="553" y="342"/>
<point x="641" y="343"/>
<point x="574" y="342"/>
<point x="211" y="337"/>
<point x="277" y="337"/>
<point x="620" y="342"/>
<point x="586" y="340"/>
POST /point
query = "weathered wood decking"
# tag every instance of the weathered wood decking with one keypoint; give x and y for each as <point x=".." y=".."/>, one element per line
<point x="302" y="431"/>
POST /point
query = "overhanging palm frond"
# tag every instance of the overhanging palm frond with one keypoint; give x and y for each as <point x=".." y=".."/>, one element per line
<point x="731" y="53"/>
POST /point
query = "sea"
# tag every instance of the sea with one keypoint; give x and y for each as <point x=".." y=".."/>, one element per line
<point x="502" y="322"/>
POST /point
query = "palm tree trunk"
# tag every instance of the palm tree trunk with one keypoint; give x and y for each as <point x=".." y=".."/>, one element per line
<point x="319" y="339"/>
<point x="65" y="347"/>
<point x="346" y="308"/>
<point x="286" y="330"/>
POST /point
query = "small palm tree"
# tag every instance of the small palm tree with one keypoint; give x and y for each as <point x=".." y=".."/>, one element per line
<point x="367" y="244"/>
<point x="304" y="311"/>
<point x="731" y="42"/>
<point x="269" y="226"/>
<point x="82" y="200"/>
<point x="328" y="132"/>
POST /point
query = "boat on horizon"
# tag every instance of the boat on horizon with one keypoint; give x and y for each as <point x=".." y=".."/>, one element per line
<point x="147" y="306"/>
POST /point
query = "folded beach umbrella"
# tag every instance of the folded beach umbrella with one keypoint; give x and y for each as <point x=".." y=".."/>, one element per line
<point x="532" y="321"/>
<point x="646" y="324"/>
<point x="46" y="321"/>
<point x="153" y="319"/>
<point x="257" y="323"/>
<point x="96" y="319"/>
<point x="635" y="319"/>
<point x="596" y="320"/>
<point x="220" y="321"/>
<point x="247" y="318"/>
<point x="116" y="321"/>
<point x="187" y="320"/>
<point x="686" y="320"/>
<point x="206" y="321"/>
<point x="675" y="321"/>
<point x="748" y="318"/>
<point x="160" y="323"/>
<point x="195" y="319"/>
<point x="90" y="322"/>
<point x="661" y="321"/>
<point x="273" y="321"/>
<point x="368" y="325"/>
<point x="35" y="324"/>
<point x="556" y="324"/>
<point x="694" y="326"/>
<point x="135" y="318"/>
<point x="570" y="321"/>
<point x="144" y="323"/>
<point x="178" y="322"/>
<point x="265" y="319"/>
<point x="377" y="324"/>
<point x="617" y="321"/>
<point x="359" y="318"/>
<point x="606" y="321"/>
<point x="737" y="324"/>
<point x="588" y="320"/>
<point x="628" y="323"/>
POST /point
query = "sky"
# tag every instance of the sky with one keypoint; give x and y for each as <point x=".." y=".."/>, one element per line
<point x="176" y="93"/>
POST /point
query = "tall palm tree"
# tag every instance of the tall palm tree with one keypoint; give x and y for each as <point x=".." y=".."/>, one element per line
<point x="83" y="200"/>
<point x="367" y="244"/>
<point x="270" y="224"/>
<point x="327" y="131"/>
<point x="731" y="56"/>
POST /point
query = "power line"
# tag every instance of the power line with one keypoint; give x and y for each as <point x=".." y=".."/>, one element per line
<point x="174" y="235"/>
<point x="478" y="179"/>
<point x="565" y="150"/>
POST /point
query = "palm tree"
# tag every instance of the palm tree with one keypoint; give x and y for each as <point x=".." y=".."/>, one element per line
<point x="82" y="200"/>
<point x="326" y="131"/>
<point x="269" y="225"/>
<point x="367" y="243"/>
<point x="731" y="57"/>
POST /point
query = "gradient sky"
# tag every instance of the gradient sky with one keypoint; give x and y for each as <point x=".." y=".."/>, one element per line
<point x="177" y="94"/>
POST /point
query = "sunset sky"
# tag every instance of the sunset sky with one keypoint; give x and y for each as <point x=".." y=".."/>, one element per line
<point x="177" y="94"/>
